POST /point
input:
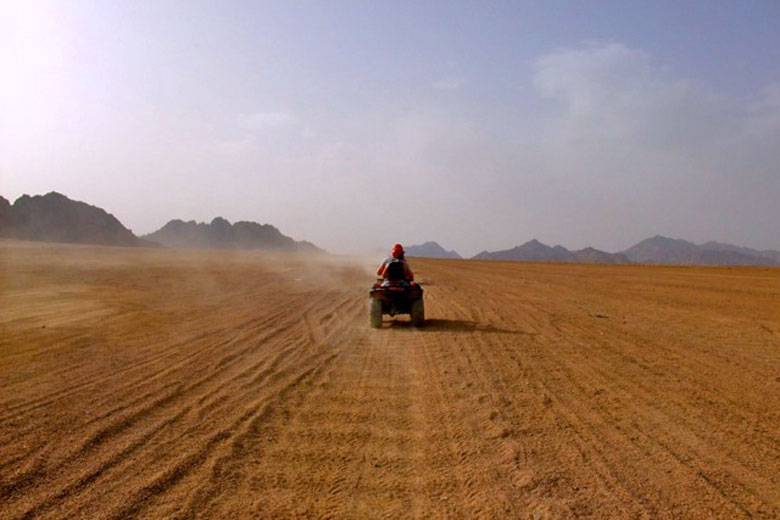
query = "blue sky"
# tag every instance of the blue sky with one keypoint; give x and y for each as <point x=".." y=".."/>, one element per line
<point x="354" y="125"/>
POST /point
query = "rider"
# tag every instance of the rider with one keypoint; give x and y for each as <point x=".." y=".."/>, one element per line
<point x="397" y="257"/>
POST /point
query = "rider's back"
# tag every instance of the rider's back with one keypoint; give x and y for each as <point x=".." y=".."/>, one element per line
<point x="395" y="271"/>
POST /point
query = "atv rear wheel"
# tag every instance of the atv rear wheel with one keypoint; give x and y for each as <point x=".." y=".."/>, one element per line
<point x="418" y="313"/>
<point x="375" y="313"/>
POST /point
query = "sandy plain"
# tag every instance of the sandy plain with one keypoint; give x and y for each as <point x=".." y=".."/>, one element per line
<point x="180" y="384"/>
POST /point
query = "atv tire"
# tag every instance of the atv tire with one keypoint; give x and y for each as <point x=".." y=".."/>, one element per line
<point x="418" y="313"/>
<point x="375" y="313"/>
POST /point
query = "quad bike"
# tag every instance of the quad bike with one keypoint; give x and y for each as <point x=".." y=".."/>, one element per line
<point x="396" y="295"/>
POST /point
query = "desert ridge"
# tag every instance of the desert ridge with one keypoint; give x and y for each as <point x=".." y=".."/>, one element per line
<point x="221" y="234"/>
<point x="535" y="251"/>
<point x="56" y="218"/>
<point x="655" y="250"/>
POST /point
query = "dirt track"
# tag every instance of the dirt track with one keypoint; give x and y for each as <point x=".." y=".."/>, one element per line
<point x="141" y="383"/>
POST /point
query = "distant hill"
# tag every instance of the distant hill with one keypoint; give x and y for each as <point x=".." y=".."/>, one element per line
<point x="664" y="250"/>
<point x="655" y="250"/>
<point x="719" y="246"/>
<point x="56" y="218"/>
<point x="590" y="255"/>
<point x="221" y="234"/>
<point x="535" y="251"/>
<point x="5" y="213"/>
<point x="430" y="250"/>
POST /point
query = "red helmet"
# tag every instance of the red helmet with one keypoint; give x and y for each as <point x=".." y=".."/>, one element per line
<point x="398" y="251"/>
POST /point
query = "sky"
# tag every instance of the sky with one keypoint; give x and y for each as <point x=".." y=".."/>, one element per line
<point x="354" y="125"/>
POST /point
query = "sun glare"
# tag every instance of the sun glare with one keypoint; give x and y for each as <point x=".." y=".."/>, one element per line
<point x="35" y="69"/>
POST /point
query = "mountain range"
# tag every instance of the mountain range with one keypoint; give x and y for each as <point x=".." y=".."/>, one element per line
<point x="535" y="251"/>
<point x="56" y="218"/>
<point x="663" y="250"/>
<point x="430" y="250"/>
<point x="655" y="250"/>
<point x="221" y="234"/>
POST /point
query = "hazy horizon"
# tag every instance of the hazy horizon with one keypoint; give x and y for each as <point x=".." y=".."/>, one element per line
<point x="479" y="126"/>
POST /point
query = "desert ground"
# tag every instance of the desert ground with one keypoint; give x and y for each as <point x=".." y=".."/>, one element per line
<point x="142" y="383"/>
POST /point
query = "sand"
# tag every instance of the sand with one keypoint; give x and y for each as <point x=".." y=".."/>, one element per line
<point x="142" y="383"/>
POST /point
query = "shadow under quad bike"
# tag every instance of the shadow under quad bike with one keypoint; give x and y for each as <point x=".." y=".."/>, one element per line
<point x="396" y="295"/>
